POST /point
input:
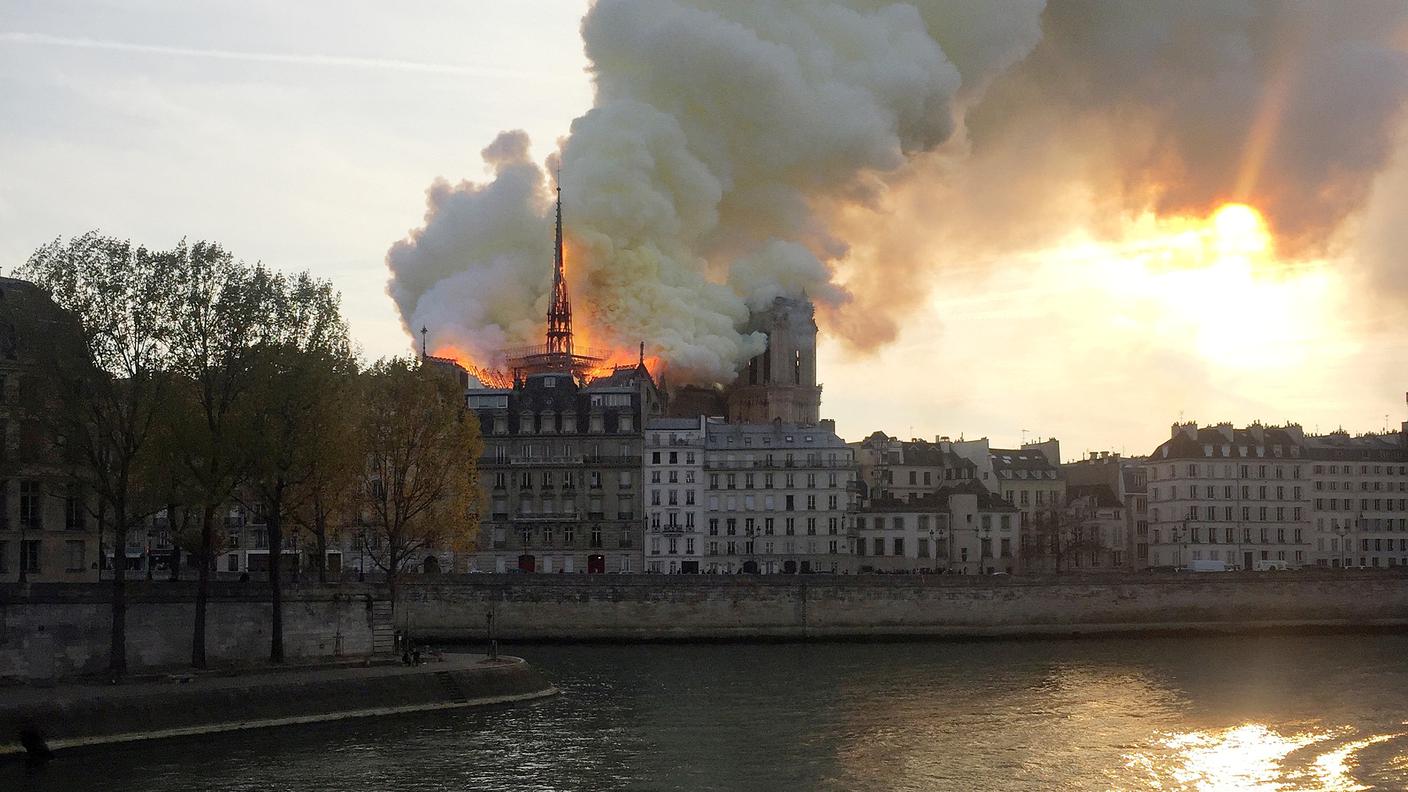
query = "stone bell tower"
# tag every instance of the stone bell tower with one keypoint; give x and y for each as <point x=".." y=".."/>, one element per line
<point x="780" y="384"/>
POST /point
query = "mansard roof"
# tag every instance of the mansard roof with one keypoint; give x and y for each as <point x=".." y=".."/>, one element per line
<point x="1212" y="442"/>
<point x="1100" y="494"/>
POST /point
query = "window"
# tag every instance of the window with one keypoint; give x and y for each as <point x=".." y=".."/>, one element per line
<point x="74" y="555"/>
<point x="29" y="556"/>
<point x="74" y="510"/>
<point x="899" y="545"/>
<point x="31" y="506"/>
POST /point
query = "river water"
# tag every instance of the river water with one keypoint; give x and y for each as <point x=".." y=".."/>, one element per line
<point x="1210" y="713"/>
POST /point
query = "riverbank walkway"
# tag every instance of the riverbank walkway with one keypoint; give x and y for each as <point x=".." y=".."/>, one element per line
<point x="84" y="713"/>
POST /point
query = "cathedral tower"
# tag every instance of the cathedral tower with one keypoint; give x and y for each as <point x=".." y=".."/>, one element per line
<point x="780" y="384"/>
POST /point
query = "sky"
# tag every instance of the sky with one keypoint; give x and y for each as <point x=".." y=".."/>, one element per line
<point x="305" y="135"/>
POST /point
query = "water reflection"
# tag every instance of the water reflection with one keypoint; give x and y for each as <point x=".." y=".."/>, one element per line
<point x="1315" y="713"/>
<point x="1255" y="757"/>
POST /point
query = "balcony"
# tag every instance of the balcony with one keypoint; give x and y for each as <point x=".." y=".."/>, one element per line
<point x="563" y="516"/>
<point x="612" y="459"/>
<point x="545" y="461"/>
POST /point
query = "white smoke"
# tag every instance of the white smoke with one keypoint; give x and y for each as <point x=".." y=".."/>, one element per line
<point x="694" y="188"/>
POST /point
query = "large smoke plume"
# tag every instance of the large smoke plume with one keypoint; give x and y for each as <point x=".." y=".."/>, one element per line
<point x="742" y="149"/>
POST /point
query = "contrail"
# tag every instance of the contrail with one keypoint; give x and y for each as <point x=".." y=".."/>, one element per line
<point x="391" y="64"/>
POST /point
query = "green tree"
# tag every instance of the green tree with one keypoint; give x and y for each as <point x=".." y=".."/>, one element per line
<point x="105" y="382"/>
<point x="299" y="364"/>
<point x="420" y="484"/>
<point x="222" y="312"/>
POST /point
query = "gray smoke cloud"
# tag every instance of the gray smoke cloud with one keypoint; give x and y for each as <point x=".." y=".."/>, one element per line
<point x="694" y="186"/>
<point x="742" y="149"/>
<point x="1180" y="106"/>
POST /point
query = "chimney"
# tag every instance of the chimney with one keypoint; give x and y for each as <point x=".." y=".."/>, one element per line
<point x="1258" y="433"/>
<point x="1225" y="429"/>
<point x="1094" y="455"/>
<point x="1189" y="429"/>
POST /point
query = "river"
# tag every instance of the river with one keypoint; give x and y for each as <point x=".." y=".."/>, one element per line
<point x="1205" y="713"/>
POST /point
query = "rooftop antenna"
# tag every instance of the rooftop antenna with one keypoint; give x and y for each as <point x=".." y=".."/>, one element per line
<point x="423" y="331"/>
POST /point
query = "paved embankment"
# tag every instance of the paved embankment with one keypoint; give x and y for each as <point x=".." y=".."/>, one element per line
<point x="57" y="630"/>
<point x="711" y="607"/>
<point x="69" y="716"/>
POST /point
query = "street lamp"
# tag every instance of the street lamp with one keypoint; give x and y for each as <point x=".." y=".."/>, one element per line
<point x="1342" y="531"/>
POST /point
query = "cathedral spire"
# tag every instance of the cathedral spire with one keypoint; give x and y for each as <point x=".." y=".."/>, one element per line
<point x="560" y="313"/>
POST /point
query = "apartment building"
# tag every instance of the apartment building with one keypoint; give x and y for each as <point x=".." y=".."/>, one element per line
<point x="1360" y="506"/>
<point x="1129" y="484"/>
<point x="673" y="468"/>
<point x="959" y="529"/>
<point x="48" y="525"/>
<point x="908" y="470"/>
<point x="1241" y="496"/>
<point x="777" y="498"/>
<point x="560" y="474"/>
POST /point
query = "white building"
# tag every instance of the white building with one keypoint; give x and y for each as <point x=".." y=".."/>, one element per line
<point x="962" y="529"/>
<point x="674" y="489"/>
<point x="1360" y="506"/>
<point x="1241" y="496"/>
<point x="777" y="497"/>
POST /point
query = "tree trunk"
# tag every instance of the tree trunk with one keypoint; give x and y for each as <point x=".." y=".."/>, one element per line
<point x="207" y="537"/>
<point x="117" y="651"/>
<point x="320" y="533"/>
<point x="276" y="546"/>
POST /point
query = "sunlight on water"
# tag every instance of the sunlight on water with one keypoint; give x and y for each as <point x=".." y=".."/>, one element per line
<point x="1254" y="757"/>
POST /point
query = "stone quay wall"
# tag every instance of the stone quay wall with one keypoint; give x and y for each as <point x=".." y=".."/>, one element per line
<point x="55" y="630"/>
<point x="706" y="607"/>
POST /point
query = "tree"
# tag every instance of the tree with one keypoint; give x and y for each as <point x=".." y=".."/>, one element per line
<point x="222" y="313"/>
<point x="330" y="494"/>
<point x="1058" y="533"/>
<point x="420" y="483"/>
<point x="104" y="381"/>
<point x="298" y="367"/>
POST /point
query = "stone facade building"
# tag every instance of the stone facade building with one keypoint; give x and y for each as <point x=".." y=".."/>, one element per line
<point x="48" y="524"/>
<point x="777" y="498"/>
<point x="561" y="472"/>
<point x="673" y="469"/>
<point x="1360" y="506"/>
<point x="1241" y="496"/>
<point x="1100" y="537"/>
<point x="908" y="470"/>
<point x="1128" y="481"/>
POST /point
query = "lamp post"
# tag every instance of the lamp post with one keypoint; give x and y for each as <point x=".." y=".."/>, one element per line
<point x="1342" y="531"/>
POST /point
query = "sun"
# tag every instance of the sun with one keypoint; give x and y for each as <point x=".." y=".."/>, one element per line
<point x="1239" y="230"/>
<point x="1211" y="284"/>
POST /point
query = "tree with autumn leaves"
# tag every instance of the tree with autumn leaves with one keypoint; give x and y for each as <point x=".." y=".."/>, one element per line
<point x="188" y="381"/>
